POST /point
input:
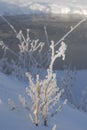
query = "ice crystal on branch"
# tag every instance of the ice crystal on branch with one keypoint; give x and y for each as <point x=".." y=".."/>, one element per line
<point x="60" y="53"/>
<point x="45" y="93"/>
<point x="24" y="102"/>
<point x="29" y="50"/>
<point x="54" y="127"/>
<point x="12" y="104"/>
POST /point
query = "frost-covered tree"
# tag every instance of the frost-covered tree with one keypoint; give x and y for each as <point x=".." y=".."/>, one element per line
<point x="45" y="93"/>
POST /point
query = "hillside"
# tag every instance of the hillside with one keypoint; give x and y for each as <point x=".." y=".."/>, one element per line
<point x="68" y="119"/>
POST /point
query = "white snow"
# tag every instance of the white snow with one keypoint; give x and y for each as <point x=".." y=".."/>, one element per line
<point x="68" y="119"/>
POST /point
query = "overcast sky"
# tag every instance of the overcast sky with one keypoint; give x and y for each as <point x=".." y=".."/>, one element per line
<point x="81" y="2"/>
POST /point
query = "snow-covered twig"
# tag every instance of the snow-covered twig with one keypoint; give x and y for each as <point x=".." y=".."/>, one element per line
<point x="12" y="104"/>
<point x="59" y="108"/>
<point x="10" y="25"/>
<point x="46" y="35"/>
<point x="70" y="31"/>
<point x="54" y="127"/>
<point x="60" y="53"/>
<point x="24" y="102"/>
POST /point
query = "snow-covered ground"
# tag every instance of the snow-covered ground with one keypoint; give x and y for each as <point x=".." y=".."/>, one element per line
<point x="68" y="119"/>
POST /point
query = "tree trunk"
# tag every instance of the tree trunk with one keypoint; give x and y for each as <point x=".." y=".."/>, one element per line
<point x="37" y="103"/>
<point x="37" y="110"/>
<point x="45" y="108"/>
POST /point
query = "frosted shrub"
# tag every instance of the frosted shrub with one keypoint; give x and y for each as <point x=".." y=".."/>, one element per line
<point x="45" y="94"/>
<point x="30" y="55"/>
<point x="29" y="51"/>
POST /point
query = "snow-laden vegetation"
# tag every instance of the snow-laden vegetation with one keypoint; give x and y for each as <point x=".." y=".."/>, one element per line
<point x="44" y="92"/>
<point x="68" y="119"/>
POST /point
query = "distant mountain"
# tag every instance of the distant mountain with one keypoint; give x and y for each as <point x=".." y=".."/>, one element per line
<point x="12" y="8"/>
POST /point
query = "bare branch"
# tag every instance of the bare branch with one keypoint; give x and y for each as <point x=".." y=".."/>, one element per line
<point x="10" y="25"/>
<point x="70" y="31"/>
<point x="59" y="108"/>
<point x="46" y="35"/>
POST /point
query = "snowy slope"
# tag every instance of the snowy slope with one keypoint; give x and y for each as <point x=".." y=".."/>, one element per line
<point x="68" y="119"/>
<point x="41" y="6"/>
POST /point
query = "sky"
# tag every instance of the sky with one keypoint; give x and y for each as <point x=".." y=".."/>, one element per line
<point x="64" y="1"/>
<point x="82" y="3"/>
<point x="79" y="6"/>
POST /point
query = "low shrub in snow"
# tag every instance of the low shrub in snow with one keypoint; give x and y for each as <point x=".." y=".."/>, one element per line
<point x="44" y="93"/>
